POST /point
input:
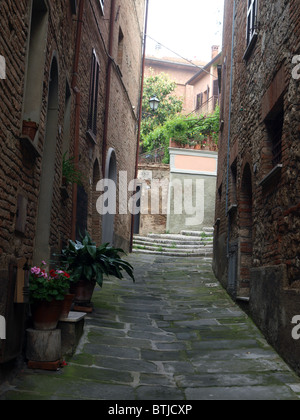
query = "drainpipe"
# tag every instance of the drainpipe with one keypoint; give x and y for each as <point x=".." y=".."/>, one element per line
<point x="108" y="83"/>
<point x="140" y="113"/>
<point x="229" y="125"/>
<point x="77" y="113"/>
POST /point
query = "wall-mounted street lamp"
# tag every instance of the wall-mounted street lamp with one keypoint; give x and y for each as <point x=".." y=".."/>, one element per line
<point x="154" y="102"/>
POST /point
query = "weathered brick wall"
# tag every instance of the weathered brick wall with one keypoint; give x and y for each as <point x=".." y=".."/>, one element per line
<point x="20" y="171"/>
<point x="266" y="223"/>
<point x="124" y="107"/>
<point x="123" y="104"/>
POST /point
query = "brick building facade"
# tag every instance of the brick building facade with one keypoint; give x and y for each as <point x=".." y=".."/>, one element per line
<point x="73" y="68"/>
<point x="256" y="243"/>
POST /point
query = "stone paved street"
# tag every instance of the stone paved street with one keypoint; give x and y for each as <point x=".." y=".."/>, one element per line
<point x="173" y="335"/>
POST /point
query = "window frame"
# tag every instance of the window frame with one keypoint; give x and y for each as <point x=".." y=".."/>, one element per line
<point x="251" y="20"/>
<point x="93" y="96"/>
<point x="251" y="26"/>
<point x="101" y="3"/>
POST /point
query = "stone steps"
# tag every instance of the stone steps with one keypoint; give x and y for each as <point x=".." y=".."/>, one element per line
<point x="187" y="243"/>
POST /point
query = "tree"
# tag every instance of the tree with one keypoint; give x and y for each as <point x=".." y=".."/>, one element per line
<point x="162" y="86"/>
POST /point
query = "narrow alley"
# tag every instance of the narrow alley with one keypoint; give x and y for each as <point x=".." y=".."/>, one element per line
<point x="173" y="335"/>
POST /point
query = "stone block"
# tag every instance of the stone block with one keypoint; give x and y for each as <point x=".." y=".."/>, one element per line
<point x="43" y="346"/>
<point x="71" y="331"/>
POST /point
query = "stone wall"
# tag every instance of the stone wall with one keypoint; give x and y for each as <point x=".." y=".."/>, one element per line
<point x="153" y="217"/>
<point x="257" y="200"/>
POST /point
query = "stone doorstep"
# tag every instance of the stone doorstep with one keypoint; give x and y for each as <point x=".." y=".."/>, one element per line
<point x="173" y="245"/>
<point x="177" y="250"/>
<point x="207" y="253"/>
<point x="180" y="237"/>
<point x="170" y="242"/>
<point x="169" y="247"/>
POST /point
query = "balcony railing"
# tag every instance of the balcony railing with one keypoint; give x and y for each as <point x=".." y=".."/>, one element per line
<point x="207" y="107"/>
<point x="155" y="156"/>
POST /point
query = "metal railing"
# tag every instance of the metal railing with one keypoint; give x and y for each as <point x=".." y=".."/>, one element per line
<point x="155" y="156"/>
<point x="207" y="107"/>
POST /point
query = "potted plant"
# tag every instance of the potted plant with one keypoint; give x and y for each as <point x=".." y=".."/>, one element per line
<point x="29" y="129"/>
<point x="47" y="292"/>
<point x="70" y="175"/>
<point x="88" y="264"/>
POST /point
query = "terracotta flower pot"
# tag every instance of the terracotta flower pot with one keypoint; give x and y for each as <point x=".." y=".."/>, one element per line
<point x="84" y="291"/>
<point x="67" y="304"/>
<point x="45" y="315"/>
<point x="29" y="129"/>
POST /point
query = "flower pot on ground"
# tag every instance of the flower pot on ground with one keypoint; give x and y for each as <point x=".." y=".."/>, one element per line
<point x="29" y="129"/>
<point x="47" y="294"/>
<point x="84" y="292"/>
<point x="88" y="264"/>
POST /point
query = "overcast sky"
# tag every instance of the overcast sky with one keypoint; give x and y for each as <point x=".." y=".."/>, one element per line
<point x="189" y="27"/>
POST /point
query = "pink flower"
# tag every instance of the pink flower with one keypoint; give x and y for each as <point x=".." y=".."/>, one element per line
<point x="35" y="270"/>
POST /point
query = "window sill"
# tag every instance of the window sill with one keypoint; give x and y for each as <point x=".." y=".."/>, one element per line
<point x="91" y="136"/>
<point x="250" y="47"/>
<point x="232" y="209"/>
<point x="273" y="174"/>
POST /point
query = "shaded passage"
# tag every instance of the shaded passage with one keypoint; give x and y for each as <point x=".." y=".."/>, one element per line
<point x="173" y="335"/>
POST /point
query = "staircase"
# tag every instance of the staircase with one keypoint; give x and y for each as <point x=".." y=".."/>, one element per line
<point x="185" y="244"/>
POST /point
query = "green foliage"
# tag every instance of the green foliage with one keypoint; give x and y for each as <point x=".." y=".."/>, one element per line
<point x="183" y="129"/>
<point x="161" y="86"/>
<point x="69" y="172"/>
<point x="85" y="261"/>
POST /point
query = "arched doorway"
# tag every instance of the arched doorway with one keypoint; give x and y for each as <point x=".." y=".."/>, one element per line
<point x="96" y="220"/>
<point x="246" y="230"/>
<point x="108" y="219"/>
<point x="42" y="247"/>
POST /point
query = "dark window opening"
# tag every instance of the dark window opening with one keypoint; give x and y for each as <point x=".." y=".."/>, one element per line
<point x="120" y="47"/>
<point x="93" y="98"/>
<point x="275" y="129"/>
<point x="233" y="182"/>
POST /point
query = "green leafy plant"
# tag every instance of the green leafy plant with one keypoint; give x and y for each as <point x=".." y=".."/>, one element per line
<point x="70" y="174"/>
<point x="185" y="130"/>
<point x="44" y="286"/>
<point x="86" y="261"/>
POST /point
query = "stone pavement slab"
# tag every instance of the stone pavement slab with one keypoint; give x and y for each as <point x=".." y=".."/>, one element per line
<point x="175" y="334"/>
